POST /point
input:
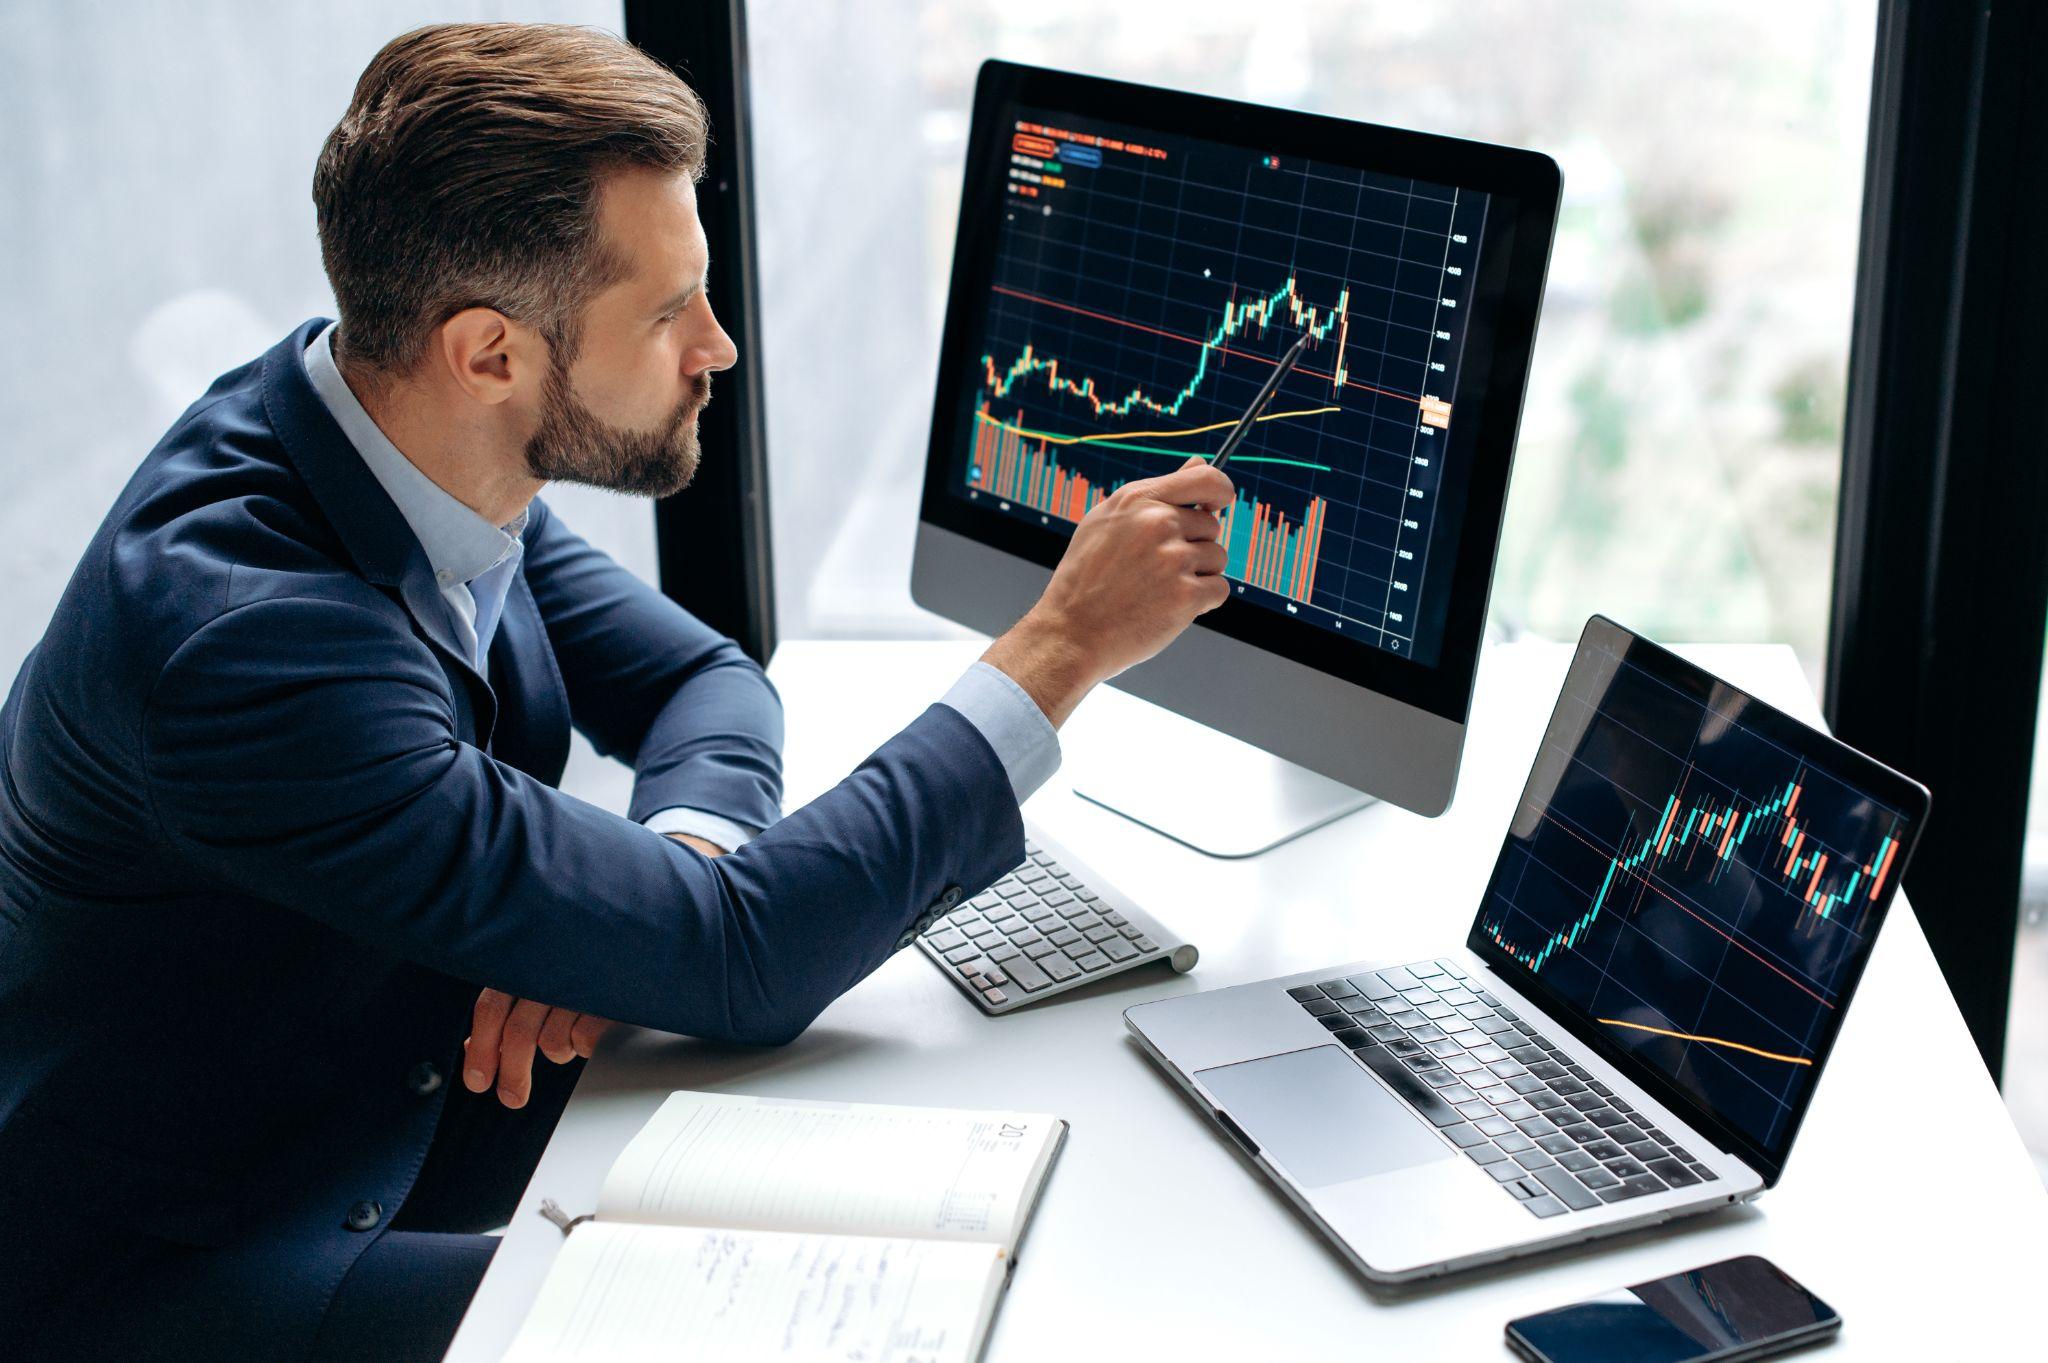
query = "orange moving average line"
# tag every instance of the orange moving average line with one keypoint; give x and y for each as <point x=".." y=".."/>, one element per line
<point x="1710" y="1040"/>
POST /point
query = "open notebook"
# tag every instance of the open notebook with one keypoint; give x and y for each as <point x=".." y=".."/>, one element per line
<point x="742" y="1228"/>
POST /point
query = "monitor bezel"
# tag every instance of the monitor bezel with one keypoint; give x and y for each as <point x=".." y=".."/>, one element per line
<point x="1523" y="188"/>
<point x="1820" y="750"/>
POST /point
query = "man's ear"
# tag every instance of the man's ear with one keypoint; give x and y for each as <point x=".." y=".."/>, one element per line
<point x="489" y="356"/>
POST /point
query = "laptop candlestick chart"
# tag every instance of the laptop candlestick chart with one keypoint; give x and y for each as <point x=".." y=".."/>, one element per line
<point x="1702" y="900"/>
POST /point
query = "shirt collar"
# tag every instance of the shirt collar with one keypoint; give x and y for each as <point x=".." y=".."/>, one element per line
<point x="460" y="544"/>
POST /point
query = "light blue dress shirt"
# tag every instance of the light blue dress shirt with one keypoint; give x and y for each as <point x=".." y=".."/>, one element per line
<point x="474" y="563"/>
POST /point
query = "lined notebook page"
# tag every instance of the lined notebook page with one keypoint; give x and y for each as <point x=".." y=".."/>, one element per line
<point x="713" y="1159"/>
<point x="622" y="1292"/>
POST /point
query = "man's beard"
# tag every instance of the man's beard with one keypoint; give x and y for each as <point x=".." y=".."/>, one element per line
<point x="571" y="445"/>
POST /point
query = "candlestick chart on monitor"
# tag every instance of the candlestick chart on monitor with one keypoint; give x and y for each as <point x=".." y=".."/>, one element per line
<point x="1143" y="289"/>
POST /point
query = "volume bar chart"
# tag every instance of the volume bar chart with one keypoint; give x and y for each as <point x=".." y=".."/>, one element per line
<point x="1261" y="546"/>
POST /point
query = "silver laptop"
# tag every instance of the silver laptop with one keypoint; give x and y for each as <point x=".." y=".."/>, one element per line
<point x="1635" y="1023"/>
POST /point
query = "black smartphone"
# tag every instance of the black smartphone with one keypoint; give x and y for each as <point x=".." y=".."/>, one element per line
<point x="1739" y="1308"/>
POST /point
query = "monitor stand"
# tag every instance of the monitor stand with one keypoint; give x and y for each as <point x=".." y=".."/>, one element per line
<point x="1186" y="781"/>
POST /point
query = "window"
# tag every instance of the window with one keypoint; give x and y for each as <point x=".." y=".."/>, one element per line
<point x="1681" y="443"/>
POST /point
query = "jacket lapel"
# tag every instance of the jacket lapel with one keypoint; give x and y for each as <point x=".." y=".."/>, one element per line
<point x="383" y="546"/>
<point x="533" y="702"/>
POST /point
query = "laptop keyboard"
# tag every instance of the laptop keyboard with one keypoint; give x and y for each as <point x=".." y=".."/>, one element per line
<point x="1552" y="1135"/>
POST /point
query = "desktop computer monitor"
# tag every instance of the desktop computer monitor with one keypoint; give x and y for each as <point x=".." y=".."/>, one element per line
<point x="1130" y="266"/>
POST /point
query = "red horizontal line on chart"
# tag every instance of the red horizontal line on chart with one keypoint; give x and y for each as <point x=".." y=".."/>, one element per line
<point x="1192" y="340"/>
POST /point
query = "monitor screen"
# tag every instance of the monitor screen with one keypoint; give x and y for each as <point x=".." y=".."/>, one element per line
<point x="1133" y="265"/>
<point x="1695" y="879"/>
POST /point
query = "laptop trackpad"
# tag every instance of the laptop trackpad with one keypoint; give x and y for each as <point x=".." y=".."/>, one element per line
<point x="1320" y="1117"/>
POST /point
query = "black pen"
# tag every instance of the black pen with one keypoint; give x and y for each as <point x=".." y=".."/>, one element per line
<point x="1259" y="403"/>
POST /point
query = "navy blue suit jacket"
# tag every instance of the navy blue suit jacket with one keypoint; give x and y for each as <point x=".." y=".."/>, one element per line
<point x="262" y="839"/>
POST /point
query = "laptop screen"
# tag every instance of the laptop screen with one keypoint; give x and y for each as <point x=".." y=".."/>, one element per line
<point x="1692" y="881"/>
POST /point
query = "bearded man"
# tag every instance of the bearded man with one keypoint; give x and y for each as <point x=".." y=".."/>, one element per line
<point x="281" y="853"/>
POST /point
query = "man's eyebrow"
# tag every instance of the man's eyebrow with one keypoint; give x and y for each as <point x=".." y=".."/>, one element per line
<point x="686" y="293"/>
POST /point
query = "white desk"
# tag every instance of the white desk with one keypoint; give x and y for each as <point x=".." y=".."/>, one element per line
<point x="1909" y="1193"/>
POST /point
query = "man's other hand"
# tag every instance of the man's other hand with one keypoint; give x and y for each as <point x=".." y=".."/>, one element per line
<point x="505" y="1031"/>
<point x="1141" y="566"/>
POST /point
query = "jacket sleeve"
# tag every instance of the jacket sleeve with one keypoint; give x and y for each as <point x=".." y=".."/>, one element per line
<point x="303" y="752"/>
<point x="654" y="686"/>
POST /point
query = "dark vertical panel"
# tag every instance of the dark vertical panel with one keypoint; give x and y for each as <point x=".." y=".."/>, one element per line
<point x="713" y="537"/>
<point x="1941" y="575"/>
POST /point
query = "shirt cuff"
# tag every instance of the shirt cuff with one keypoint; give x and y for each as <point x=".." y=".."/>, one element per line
<point x="1023" y="738"/>
<point x="698" y="824"/>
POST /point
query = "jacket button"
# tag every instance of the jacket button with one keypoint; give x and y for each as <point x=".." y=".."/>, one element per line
<point x="948" y="897"/>
<point x="423" y="1078"/>
<point x="364" y="1215"/>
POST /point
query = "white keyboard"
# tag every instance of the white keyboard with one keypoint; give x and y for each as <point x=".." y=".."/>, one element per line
<point x="1044" y="928"/>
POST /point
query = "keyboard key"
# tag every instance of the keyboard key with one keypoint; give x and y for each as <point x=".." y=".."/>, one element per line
<point x="1428" y="1033"/>
<point x="1373" y="987"/>
<point x="1604" y="1151"/>
<point x="1547" y="1069"/>
<point x="1403" y="1047"/>
<point x="1144" y="945"/>
<point x="1606" y="1117"/>
<point x="1474" y="1110"/>
<point x="1424" y="969"/>
<point x="1517" y="1110"/>
<point x="1582" y="1132"/>
<point x="1632" y="1187"/>
<point x="1443" y="1048"/>
<point x="1385" y="1031"/>
<point x="1133" y="932"/>
<point x="1549" y="1102"/>
<point x="1514" y="1142"/>
<point x="946" y="941"/>
<point x="1455" y="1025"/>
<point x="993" y="975"/>
<point x="1626" y="1134"/>
<point x="1336" y="989"/>
<point x="1644" y="1151"/>
<point x="1114" y="919"/>
<point x="1507" y="1171"/>
<point x="1674" y="1172"/>
<point x="1488" y="1154"/>
<point x="1488" y="1054"/>
<point x="1596" y="1177"/>
<point x="1458" y="996"/>
<point x="1398" y="978"/>
<point x="1464" y="1134"/>
<point x="1655" y="1134"/>
<point x="1036" y="913"/>
<point x="1003" y="955"/>
<point x="1117" y="949"/>
<point x="966" y="951"/>
<point x="1418" y="996"/>
<point x="1682" y="1153"/>
<point x="1451" y="968"/>
<point x="1624" y="1168"/>
<point x="1566" y="1189"/>
<point x="1534" y="1159"/>
<point x="1524" y="1188"/>
<point x="1059" y="966"/>
<point x="1496" y="1094"/>
<point x="1102" y="932"/>
<point x="1065" y="937"/>
<point x="1360" y="1007"/>
<point x="1077" y="909"/>
<point x="1578" y="1161"/>
<point x="1041" y="949"/>
<point x="1354" y="1037"/>
<point x="1492" y="1026"/>
<point x="1524" y="1084"/>
<point x="1437" y="1010"/>
<point x="1704" y="1174"/>
<point x="1495" y="1125"/>
<point x="1028" y="976"/>
<point x="995" y="996"/>
<point x="1094" y="960"/>
<point x="1456" y="1093"/>
<point x="1544" y="1206"/>
<point x="1536" y="1128"/>
<point x="1026" y="940"/>
<point x="1557" y="1143"/>
<point x="1417" y="1094"/>
<point x="1460" y="1062"/>
<point x="1600" y="1088"/>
